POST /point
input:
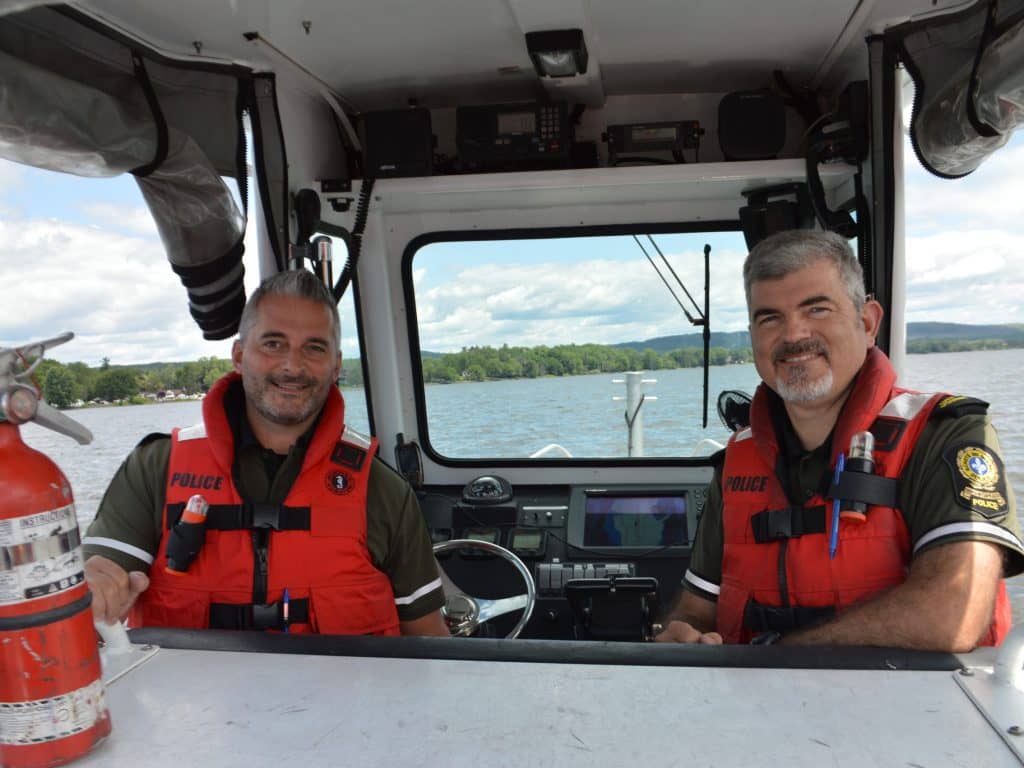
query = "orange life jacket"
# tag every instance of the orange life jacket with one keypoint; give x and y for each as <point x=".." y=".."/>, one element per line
<point x="314" y="545"/>
<point x="777" y="573"/>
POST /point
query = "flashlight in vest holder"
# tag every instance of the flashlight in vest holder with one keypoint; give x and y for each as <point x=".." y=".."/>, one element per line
<point x="860" y="458"/>
<point x="187" y="536"/>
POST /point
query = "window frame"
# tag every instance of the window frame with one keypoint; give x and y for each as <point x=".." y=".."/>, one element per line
<point x="542" y="233"/>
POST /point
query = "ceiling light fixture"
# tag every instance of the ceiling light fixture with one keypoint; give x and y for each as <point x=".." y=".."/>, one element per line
<point x="558" y="53"/>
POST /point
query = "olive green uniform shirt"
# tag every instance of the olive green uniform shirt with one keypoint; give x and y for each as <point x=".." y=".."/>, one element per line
<point x="927" y="500"/>
<point x="129" y="522"/>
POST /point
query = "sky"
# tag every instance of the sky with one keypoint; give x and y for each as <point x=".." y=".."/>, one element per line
<point x="84" y="255"/>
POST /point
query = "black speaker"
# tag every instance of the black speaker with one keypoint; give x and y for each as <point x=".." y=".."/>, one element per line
<point x="751" y="125"/>
<point x="397" y="142"/>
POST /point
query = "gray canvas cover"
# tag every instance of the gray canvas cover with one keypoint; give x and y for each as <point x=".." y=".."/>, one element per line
<point x="968" y="71"/>
<point x="78" y="99"/>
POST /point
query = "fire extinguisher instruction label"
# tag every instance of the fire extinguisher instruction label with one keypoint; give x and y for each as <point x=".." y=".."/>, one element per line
<point x="40" y="555"/>
<point x="41" y="720"/>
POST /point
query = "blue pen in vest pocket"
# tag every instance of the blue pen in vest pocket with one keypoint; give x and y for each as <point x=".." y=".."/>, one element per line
<point x="833" y="539"/>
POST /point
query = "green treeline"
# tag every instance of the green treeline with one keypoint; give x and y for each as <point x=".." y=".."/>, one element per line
<point x="925" y="346"/>
<point x="67" y="385"/>
<point x="71" y="384"/>
<point x="483" y="363"/>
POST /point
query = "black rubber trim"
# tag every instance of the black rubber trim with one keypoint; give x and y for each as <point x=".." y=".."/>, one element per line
<point x="260" y="173"/>
<point x="51" y="616"/>
<point x="224" y="314"/>
<point x="236" y="286"/>
<point x="206" y="273"/>
<point x="553" y="651"/>
<point x="159" y="121"/>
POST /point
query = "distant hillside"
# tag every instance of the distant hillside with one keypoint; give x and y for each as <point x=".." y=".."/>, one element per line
<point x="726" y="339"/>
<point x="960" y="332"/>
<point x="1011" y="334"/>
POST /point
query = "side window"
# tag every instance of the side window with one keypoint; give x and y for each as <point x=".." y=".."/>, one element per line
<point x="527" y="344"/>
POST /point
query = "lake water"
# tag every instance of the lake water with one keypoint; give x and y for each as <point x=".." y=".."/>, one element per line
<point x="577" y="412"/>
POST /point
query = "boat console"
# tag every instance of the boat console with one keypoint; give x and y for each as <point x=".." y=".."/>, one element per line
<point x="606" y="558"/>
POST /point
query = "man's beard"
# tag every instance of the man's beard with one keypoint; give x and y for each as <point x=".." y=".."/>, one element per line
<point x="798" y="386"/>
<point x="315" y="393"/>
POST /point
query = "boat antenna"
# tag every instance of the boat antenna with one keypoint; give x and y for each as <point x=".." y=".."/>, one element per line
<point x="698" y="321"/>
<point x="703" y="320"/>
<point x="707" y="326"/>
<point x="693" y="321"/>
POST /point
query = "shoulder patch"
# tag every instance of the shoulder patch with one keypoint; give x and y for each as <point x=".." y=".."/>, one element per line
<point x="195" y="432"/>
<point x="348" y="455"/>
<point x="978" y="479"/>
<point x="954" y="406"/>
<point x="887" y="432"/>
<point x="151" y="438"/>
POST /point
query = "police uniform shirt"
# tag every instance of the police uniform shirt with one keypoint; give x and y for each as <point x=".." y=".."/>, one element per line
<point x="942" y="497"/>
<point x="128" y="523"/>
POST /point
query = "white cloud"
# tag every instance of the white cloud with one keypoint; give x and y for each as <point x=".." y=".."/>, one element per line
<point x="991" y="196"/>
<point x="136" y="219"/>
<point x="110" y="283"/>
<point x="965" y="252"/>
<point x="117" y="293"/>
<point x="590" y="301"/>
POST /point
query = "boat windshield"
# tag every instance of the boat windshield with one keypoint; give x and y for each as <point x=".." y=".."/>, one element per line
<point x="538" y="332"/>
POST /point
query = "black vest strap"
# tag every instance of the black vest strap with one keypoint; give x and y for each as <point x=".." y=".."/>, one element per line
<point x="791" y="522"/>
<point x="772" y="618"/>
<point x="250" y="616"/>
<point x="236" y="517"/>
<point x="869" y="489"/>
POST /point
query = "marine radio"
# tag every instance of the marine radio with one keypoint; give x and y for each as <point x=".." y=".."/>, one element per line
<point x="645" y="138"/>
<point x="513" y="137"/>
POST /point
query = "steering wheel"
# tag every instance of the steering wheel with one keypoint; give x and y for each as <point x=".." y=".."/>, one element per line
<point x="464" y="613"/>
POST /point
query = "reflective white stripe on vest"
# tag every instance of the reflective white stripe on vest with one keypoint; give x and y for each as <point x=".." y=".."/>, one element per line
<point x="195" y="432"/>
<point x="120" y="546"/>
<point x="356" y="438"/>
<point x="905" y="406"/>
<point x="409" y="599"/>
<point x="700" y="583"/>
<point x="953" y="529"/>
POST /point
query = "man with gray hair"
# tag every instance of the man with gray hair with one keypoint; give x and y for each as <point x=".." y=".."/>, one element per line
<point x="271" y="513"/>
<point x="851" y="511"/>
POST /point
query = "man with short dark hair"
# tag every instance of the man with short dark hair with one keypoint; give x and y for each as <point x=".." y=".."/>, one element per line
<point x="306" y="530"/>
<point x="915" y="552"/>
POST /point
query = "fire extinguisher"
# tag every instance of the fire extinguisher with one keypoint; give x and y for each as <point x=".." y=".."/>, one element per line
<point x="52" y="704"/>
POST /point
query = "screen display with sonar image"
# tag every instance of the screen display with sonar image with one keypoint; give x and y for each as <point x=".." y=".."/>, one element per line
<point x="635" y="521"/>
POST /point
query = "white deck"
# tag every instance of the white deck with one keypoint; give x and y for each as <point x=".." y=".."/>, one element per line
<point x="207" y="708"/>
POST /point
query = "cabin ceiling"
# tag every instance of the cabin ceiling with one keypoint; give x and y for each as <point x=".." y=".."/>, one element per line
<point x="383" y="53"/>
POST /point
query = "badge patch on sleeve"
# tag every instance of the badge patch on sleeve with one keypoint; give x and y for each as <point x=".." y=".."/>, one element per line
<point x="978" y="479"/>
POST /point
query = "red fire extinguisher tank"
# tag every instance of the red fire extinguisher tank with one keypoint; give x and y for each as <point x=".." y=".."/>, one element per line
<point x="52" y="706"/>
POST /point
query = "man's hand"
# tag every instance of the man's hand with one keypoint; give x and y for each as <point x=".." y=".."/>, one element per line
<point x="683" y="632"/>
<point x="114" y="590"/>
<point x="683" y="623"/>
